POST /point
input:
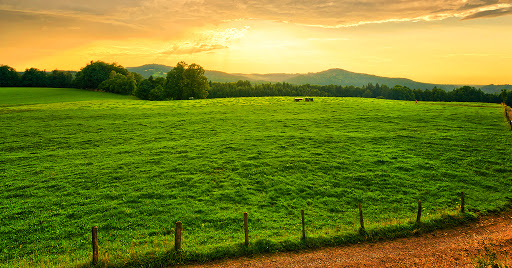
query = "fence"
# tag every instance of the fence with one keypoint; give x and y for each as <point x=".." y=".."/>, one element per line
<point x="179" y="227"/>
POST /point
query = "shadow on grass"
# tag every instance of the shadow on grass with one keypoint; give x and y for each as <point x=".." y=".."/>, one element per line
<point x="172" y="258"/>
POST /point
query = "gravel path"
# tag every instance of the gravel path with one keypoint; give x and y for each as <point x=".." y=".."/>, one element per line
<point x="455" y="247"/>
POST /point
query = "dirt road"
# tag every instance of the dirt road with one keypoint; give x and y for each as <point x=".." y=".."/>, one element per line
<point x="457" y="247"/>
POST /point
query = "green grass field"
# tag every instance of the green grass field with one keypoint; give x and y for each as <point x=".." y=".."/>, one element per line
<point x="73" y="159"/>
<point x="28" y="95"/>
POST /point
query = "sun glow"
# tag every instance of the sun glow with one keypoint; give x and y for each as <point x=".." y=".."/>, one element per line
<point x="442" y="42"/>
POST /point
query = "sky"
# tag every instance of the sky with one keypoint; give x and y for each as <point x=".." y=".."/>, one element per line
<point x="436" y="41"/>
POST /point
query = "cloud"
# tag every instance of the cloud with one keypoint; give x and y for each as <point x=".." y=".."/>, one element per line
<point x="321" y="13"/>
<point x="191" y="49"/>
<point x="329" y="39"/>
<point x="471" y="4"/>
<point x="208" y="41"/>
<point x="70" y="16"/>
<point x="490" y="13"/>
<point x="180" y="27"/>
<point x="97" y="7"/>
<point x="167" y="18"/>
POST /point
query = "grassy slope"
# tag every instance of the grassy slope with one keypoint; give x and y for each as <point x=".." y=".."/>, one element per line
<point x="15" y="96"/>
<point x="134" y="168"/>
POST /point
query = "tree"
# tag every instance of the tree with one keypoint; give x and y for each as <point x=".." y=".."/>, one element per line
<point x="367" y="94"/>
<point x="186" y="81"/>
<point x="143" y="89"/>
<point x="401" y="93"/>
<point x="119" y="84"/>
<point x="174" y="84"/>
<point x="157" y="93"/>
<point x="195" y="84"/>
<point x="507" y="100"/>
<point x="504" y="96"/>
<point x="439" y="95"/>
<point x="92" y="75"/>
<point x="34" y="78"/>
<point x="8" y="76"/>
<point x="138" y="78"/>
<point x="60" y="79"/>
<point x="468" y="94"/>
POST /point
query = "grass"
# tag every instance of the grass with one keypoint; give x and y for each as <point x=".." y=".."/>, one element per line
<point x="133" y="168"/>
<point x="16" y="96"/>
<point x="488" y="257"/>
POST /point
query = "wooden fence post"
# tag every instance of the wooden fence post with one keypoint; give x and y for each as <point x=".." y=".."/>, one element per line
<point x="361" y="217"/>
<point x="177" y="236"/>
<point x="246" y="227"/>
<point x="303" y="225"/>
<point x="462" y="202"/>
<point x="418" y="218"/>
<point x="94" y="245"/>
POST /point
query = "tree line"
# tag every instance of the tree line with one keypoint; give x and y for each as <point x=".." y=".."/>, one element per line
<point x="34" y="78"/>
<point x="188" y="81"/>
<point x="398" y="92"/>
<point x="183" y="82"/>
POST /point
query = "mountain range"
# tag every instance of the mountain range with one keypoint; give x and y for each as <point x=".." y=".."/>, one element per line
<point x="329" y="77"/>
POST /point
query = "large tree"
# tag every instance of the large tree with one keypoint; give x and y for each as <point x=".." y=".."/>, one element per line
<point x="8" y="76"/>
<point x="174" y="84"/>
<point x="34" y="77"/>
<point x="186" y="81"/>
<point x="195" y="83"/>
<point x="92" y="75"/>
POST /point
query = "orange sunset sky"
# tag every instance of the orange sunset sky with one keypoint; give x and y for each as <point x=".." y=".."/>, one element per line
<point x="436" y="41"/>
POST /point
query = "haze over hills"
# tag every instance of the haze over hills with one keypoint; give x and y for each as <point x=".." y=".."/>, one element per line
<point x="147" y="70"/>
<point x="330" y="77"/>
<point x="347" y="78"/>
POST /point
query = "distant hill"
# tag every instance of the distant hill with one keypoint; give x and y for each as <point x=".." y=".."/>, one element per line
<point x="345" y="78"/>
<point x="155" y="70"/>
<point x="330" y="77"/>
<point x="495" y="88"/>
<point x="276" y="77"/>
<point x="216" y="76"/>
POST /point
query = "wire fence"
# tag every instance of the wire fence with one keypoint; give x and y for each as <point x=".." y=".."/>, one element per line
<point x="179" y="227"/>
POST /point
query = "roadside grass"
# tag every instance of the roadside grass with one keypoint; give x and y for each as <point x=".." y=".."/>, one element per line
<point x="488" y="257"/>
<point x="494" y="252"/>
<point x="134" y="168"/>
<point x="376" y="232"/>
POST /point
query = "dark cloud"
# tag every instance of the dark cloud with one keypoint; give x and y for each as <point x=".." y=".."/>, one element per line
<point x="471" y="4"/>
<point x="490" y="13"/>
<point x="85" y="6"/>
